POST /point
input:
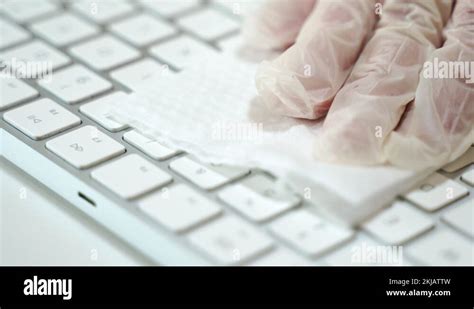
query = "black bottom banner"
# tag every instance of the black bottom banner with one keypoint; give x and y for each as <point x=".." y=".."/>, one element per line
<point x="430" y="287"/>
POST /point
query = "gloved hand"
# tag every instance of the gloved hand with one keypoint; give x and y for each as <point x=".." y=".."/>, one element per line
<point x="366" y="68"/>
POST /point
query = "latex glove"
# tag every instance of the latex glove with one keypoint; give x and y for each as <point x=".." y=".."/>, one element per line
<point x="365" y="123"/>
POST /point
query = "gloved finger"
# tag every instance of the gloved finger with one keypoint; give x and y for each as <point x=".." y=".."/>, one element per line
<point x="382" y="83"/>
<point x="303" y="80"/>
<point x="438" y="127"/>
<point x="276" y="24"/>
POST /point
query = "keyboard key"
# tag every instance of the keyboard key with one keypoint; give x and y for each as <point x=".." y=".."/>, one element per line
<point x="442" y="248"/>
<point x="142" y="30"/>
<point x="208" y="24"/>
<point x="41" y="119"/>
<point x="13" y="91"/>
<point x="75" y="84"/>
<point x="240" y="8"/>
<point x="206" y="176"/>
<point x="170" y="8"/>
<point x="230" y="241"/>
<point x="182" y="51"/>
<point x="258" y="198"/>
<point x="131" y="176"/>
<point x="26" y="10"/>
<point x="398" y="224"/>
<point x="179" y="208"/>
<point x="461" y="217"/>
<point x="64" y="29"/>
<point x="105" y="52"/>
<point x="309" y="234"/>
<point x="98" y="111"/>
<point x="468" y="177"/>
<point x="102" y="11"/>
<point x="11" y="34"/>
<point x="85" y="147"/>
<point x="436" y="192"/>
<point x="149" y="146"/>
<point x="138" y="73"/>
<point x="280" y="257"/>
<point x="463" y="161"/>
<point x="36" y="52"/>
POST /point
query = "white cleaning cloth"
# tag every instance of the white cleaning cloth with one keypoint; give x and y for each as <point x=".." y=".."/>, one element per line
<point x="212" y="111"/>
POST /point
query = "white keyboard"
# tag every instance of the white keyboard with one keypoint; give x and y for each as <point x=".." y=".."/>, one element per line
<point x="101" y="50"/>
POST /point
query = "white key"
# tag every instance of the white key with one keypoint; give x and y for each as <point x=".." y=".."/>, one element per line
<point x="142" y="30"/>
<point x="182" y="51"/>
<point x="258" y="198"/>
<point x="75" y="83"/>
<point x="208" y="24"/>
<point x="36" y="52"/>
<point x="309" y="234"/>
<point x="206" y="176"/>
<point x="436" y="192"/>
<point x="85" y="147"/>
<point x="230" y="241"/>
<point x="398" y="224"/>
<point x="25" y="10"/>
<point x="468" y="177"/>
<point x="104" y="52"/>
<point x="442" y="248"/>
<point x="138" y="73"/>
<point x="14" y="91"/>
<point x="170" y="8"/>
<point x="102" y="11"/>
<point x="41" y="119"/>
<point x="463" y="161"/>
<point x="149" y="146"/>
<point x="64" y="29"/>
<point x="131" y="176"/>
<point x="179" y="208"/>
<point x="280" y="257"/>
<point x="461" y="217"/>
<point x="11" y="34"/>
<point x="98" y="110"/>
<point x="365" y="252"/>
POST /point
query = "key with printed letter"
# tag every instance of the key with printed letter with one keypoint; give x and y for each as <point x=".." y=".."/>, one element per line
<point x="308" y="233"/>
<point x="136" y="74"/>
<point x="182" y="51"/>
<point x="98" y="111"/>
<point x="142" y="176"/>
<point x="43" y="56"/>
<point x="149" y="146"/>
<point x="230" y="241"/>
<point x="85" y="147"/>
<point x="104" y="52"/>
<point x="142" y="30"/>
<point x="436" y="192"/>
<point x="442" y="247"/>
<point x="75" y="83"/>
<point x="398" y="224"/>
<point x="258" y="198"/>
<point x="14" y="91"/>
<point x="64" y="29"/>
<point x="179" y="207"/>
<point x="206" y="176"/>
<point x="41" y="119"/>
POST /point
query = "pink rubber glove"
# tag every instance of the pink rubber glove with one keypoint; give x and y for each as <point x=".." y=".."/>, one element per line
<point x="366" y="70"/>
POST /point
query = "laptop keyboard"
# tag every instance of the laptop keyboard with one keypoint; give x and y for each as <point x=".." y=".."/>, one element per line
<point x="101" y="50"/>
